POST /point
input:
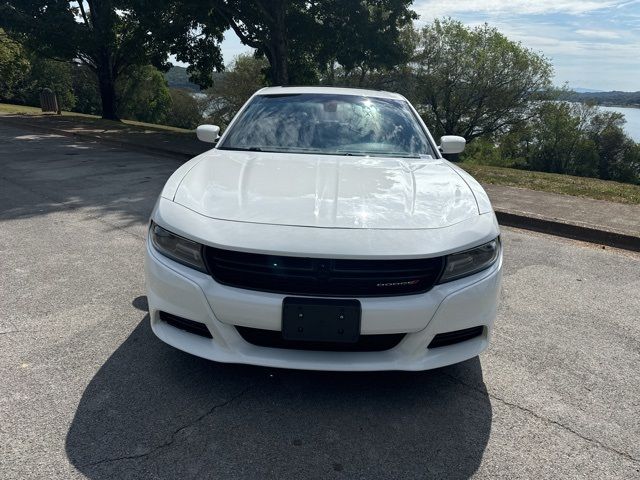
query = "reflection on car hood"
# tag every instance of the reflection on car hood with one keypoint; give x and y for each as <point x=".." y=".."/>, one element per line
<point x="326" y="190"/>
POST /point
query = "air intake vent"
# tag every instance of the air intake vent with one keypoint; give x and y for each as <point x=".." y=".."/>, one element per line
<point x="322" y="277"/>
<point x="366" y="343"/>
<point x="457" y="336"/>
<point x="190" y="326"/>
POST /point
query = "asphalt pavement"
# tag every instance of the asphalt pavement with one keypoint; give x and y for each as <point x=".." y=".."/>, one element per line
<point x="87" y="391"/>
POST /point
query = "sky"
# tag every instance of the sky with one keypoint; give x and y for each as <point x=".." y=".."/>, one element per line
<point x="592" y="44"/>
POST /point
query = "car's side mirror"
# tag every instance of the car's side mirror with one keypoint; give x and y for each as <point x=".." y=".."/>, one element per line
<point x="452" y="144"/>
<point x="208" y="133"/>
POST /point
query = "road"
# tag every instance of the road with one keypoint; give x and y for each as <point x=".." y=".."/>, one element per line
<point x="89" y="392"/>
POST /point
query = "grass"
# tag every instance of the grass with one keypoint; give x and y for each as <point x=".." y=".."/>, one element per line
<point x="556" y="183"/>
<point x="6" y="108"/>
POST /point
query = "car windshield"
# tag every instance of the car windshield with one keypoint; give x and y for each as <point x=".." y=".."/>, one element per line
<point x="328" y="124"/>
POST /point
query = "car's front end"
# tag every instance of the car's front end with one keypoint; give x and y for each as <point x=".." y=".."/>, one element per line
<point x="323" y="263"/>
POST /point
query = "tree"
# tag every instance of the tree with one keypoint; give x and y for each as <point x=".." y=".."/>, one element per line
<point x="14" y="67"/>
<point x="185" y="110"/>
<point x="243" y="77"/>
<point x="54" y="75"/>
<point x="615" y="148"/>
<point x="108" y="36"/>
<point x="304" y="34"/>
<point x="557" y="136"/>
<point x="474" y="81"/>
<point x="361" y="38"/>
<point x="85" y="88"/>
<point x="24" y="75"/>
<point x="143" y="95"/>
<point x="564" y="137"/>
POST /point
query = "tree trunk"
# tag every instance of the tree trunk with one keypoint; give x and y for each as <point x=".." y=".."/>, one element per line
<point x="280" y="68"/>
<point x="103" y="20"/>
<point x="280" y="47"/>
<point x="107" y="86"/>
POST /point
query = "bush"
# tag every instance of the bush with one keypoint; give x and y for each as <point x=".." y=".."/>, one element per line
<point x="487" y="152"/>
<point x="562" y="137"/>
<point x="85" y="88"/>
<point x="226" y="97"/>
<point x="185" y="110"/>
<point x="143" y="95"/>
<point x="14" y="69"/>
<point x="55" y="76"/>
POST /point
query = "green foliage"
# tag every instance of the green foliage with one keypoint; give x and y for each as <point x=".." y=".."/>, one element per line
<point x="486" y="152"/>
<point x="475" y="81"/>
<point x="567" y="138"/>
<point x="398" y="78"/>
<point x="361" y="36"/>
<point x="185" y="110"/>
<point x="109" y="36"/>
<point x="85" y="88"/>
<point x="244" y="76"/>
<point x="143" y="95"/>
<point x="53" y="75"/>
<point x="14" y="68"/>
<point x="24" y="75"/>
<point x="301" y="38"/>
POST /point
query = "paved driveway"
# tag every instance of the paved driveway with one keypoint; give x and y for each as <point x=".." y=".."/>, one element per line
<point x="88" y="392"/>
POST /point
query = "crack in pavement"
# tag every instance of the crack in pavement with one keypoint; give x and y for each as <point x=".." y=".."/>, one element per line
<point x="544" y="419"/>
<point x="173" y="436"/>
<point x="9" y="331"/>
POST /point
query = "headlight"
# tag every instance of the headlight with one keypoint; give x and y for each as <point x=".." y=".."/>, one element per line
<point x="177" y="248"/>
<point x="467" y="263"/>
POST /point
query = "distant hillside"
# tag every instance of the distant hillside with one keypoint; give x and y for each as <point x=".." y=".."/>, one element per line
<point x="585" y="90"/>
<point x="622" y="99"/>
<point x="177" y="77"/>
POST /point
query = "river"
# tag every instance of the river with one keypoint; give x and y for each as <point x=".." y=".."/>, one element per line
<point x="632" y="115"/>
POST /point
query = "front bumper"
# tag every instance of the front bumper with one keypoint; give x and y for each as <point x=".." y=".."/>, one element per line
<point x="182" y="291"/>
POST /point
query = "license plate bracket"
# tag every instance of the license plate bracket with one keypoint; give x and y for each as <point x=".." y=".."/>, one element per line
<point x="321" y="320"/>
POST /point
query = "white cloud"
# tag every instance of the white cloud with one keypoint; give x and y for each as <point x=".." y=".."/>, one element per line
<point x="437" y="8"/>
<point x="600" y="34"/>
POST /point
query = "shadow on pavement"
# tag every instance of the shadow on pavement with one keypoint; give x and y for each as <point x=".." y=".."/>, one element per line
<point x="44" y="173"/>
<point x="154" y="412"/>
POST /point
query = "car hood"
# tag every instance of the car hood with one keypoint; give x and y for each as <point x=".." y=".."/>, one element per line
<point x="326" y="191"/>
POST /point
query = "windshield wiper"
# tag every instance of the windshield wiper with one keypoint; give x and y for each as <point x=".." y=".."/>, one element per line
<point x="376" y="154"/>
<point x="243" y="149"/>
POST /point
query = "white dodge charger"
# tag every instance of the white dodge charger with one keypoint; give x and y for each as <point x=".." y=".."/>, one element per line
<point x="324" y="231"/>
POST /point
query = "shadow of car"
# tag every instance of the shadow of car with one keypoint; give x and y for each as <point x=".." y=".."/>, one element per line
<point x="154" y="412"/>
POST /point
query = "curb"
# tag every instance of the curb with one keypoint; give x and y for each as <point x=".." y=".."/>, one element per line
<point x="568" y="230"/>
<point x="523" y="220"/>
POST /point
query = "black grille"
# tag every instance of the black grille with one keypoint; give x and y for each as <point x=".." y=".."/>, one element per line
<point x="457" y="336"/>
<point x="322" y="277"/>
<point x="366" y="343"/>
<point x="187" y="325"/>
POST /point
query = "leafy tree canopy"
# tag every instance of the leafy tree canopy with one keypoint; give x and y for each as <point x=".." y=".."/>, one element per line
<point x="143" y="95"/>
<point x="110" y="36"/>
<point x="301" y="37"/>
<point x="475" y="81"/>
<point x="243" y="77"/>
<point x="14" y="67"/>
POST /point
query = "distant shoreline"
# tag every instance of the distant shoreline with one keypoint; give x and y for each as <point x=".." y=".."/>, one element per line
<point x="615" y="105"/>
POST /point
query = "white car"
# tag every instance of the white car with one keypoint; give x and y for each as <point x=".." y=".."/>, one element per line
<point x="324" y="231"/>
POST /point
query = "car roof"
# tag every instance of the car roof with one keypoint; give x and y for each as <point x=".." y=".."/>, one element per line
<point x="329" y="90"/>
